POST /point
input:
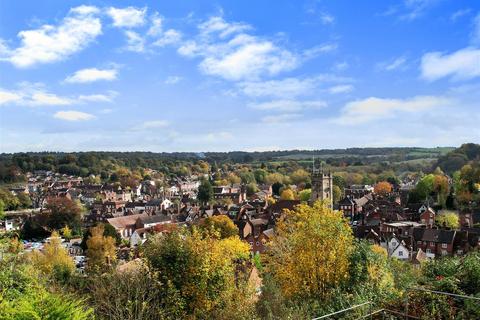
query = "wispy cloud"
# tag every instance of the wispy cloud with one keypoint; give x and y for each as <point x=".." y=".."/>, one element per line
<point x="73" y="116"/>
<point x="51" y="43"/>
<point x="281" y="118"/>
<point x="92" y="75"/>
<point x="127" y="17"/>
<point x="35" y="95"/>
<point x="135" y="42"/>
<point x="289" y="105"/>
<point x="173" y="80"/>
<point x="373" y="108"/>
<point x="343" y="88"/>
<point x="228" y="52"/>
<point x="154" y="124"/>
<point x="460" y="13"/>
<point x="463" y="64"/>
<point x="289" y="87"/>
<point x="398" y="63"/>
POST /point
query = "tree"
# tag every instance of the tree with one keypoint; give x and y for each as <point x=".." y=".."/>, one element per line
<point x="24" y="200"/>
<point x="260" y="175"/>
<point x="54" y="259"/>
<point x="222" y="225"/>
<point x="336" y="193"/>
<point x="300" y="176"/>
<point x="205" y="192"/>
<point x="383" y="188"/>
<point x="62" y="212"/>
<point x="305" y="194"/>
<point x="108" y="231"/>
<point x="448" y="219"/>
<point x="101" y="250"/>
<point x="287" y="194"/>
<point x="202" y="274"/>
<point x="305" y="259"/>
<point x="67" y="233"/>
<point x="276" y="187"/>
<point x="2" y="208"/>
<point x="251" y="188"/>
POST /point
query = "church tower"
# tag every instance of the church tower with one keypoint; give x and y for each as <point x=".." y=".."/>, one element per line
<point x="322" y="185"/>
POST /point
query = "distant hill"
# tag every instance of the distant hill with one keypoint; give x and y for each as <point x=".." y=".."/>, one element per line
<point x="456" y="159"/>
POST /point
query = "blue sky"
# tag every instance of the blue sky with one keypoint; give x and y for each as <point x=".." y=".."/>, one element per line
<point x="238" y="75"/>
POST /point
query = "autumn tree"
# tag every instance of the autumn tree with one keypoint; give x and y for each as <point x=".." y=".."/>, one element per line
<point x="383" y="188"/>
<point x="305" y="194"/>
<point x="199" y="272"/>
<point x="101" y="250"/>
<point x="300" y="176"/>
<point x="54" y="259"/>
<point x="287" y="194"/>
<point x="447" y="219"/>
<point x="306" y="260"/>
<point x="221" y="225"/>
<point x="61" y="212"/>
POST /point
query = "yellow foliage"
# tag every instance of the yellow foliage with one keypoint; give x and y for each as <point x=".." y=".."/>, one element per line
<point x="287" y="194"/>
<point x="53" y="255"/>
<point x="310" y="252"/>
<point x="101" y="251"/>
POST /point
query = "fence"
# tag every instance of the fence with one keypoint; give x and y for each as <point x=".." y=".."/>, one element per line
<point x="390" y="314"/>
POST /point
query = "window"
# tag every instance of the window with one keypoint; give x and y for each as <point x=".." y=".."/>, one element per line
<point x="444" y="252"/>
<point x="444" y="245"/>
<point x="429" y="251"/>
<point x="432" y="244"/>
<point x="400" y="253"/>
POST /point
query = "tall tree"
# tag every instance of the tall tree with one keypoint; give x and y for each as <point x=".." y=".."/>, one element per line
<point x="205" y="192"/>
<point x="101" y="250"/>
<point x="305" y="259"/>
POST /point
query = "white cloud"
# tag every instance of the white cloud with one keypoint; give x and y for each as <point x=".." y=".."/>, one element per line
<point x="373" y="108"/>
<point x="169" y="37"/>
<point x="343" y="88"/>
<point x="223" y="28"/>
<point x="216" y="136"/>
<point x="340" y="66"/>
<point x="320" y="49"/>
<point x="475" y="36"/>
<point x="127" y="17"/>
<point x="51" y="43"/>
<point x="156" y="26"/>
<point x="34" y="95"/>
<point x="281" y="118"/>
<point x="73" y="116"/>
<point x="289" y="105"/>
<point x="97" y="97"/>
<point x="228" y="52"/>
<point x="395" y="64"/>
<point x="459" y="13"/>
<point x="463" y="64"/>
<point x="48" y="99"/>
<point x="326" y="18"/>
<point x="416" y="8"/>
<point x="91" y="75"/>
<point x="9" y="97"/>
<point x="135" y="42"/>
<point x="173" y="80"/>
<point x="155" y="124"/>
<point x="289" y="87"/>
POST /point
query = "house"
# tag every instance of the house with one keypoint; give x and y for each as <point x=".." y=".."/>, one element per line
<point x="434" y="242"/>
<point x="427" y="217"/>
<point x="397" y="248"/>
<point x="236" y="194"/>
<point x="126" y="225"/>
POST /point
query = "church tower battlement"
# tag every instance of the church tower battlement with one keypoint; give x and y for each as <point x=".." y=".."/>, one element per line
<point x="322" y="185"/>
